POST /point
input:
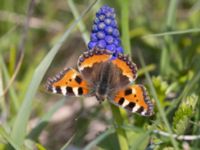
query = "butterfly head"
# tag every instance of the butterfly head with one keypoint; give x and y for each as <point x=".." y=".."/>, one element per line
<point x="99" y="97"/>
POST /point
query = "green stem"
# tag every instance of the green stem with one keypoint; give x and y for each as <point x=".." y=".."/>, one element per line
<point x="125" y="26"/>
<point x="171" y="14"/>
<point x="119" y="118"/>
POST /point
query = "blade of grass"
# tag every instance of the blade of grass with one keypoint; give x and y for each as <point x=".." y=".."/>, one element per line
<point x="148" y="68"/>
<point x="169" y="47"/>
<point x="19" y="128"/>
<point x="195" y="30"/>
<point x="31" y="5"/>
<point x="34" y="134"/>
<point x="2" y="101"/>
<point x="160" y="109"/>
<point x="64" y="147"/>
<point x="12" y="93"/>
<point x="188" y="88"/>
<point x="5" y="135"/>
<point x="164" y="61"/>
<point x="81" y="25"/>
<point x="99" y="139"/>
<point x="12" y="60"/>
<point x="171" y="19"/>
<point x="171" y="13"/>
<point x="23" y="86"/>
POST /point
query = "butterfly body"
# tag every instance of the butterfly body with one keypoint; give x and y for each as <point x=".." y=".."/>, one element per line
<point x="105" y="81"/>
<point x="103" y="86"/>
<point x="105" y="77"/>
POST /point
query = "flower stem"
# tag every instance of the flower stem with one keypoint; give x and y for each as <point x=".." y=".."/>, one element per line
<point x="119" y="118"/>
<point x="120" y="115"/>
<point x="125" y="26"/>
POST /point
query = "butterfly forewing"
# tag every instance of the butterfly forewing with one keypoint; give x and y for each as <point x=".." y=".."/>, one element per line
<point x="92" y="62"/>
<point x="127" y="67"/>
<point x="92" y="57"/>
<point x="68" y="82"/>
<point x="134" y="98"/>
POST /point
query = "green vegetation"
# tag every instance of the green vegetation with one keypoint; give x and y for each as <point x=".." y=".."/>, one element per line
<point x="40" y="38"/>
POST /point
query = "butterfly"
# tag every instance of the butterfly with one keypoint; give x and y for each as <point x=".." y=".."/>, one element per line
<point x="105" y="76"/>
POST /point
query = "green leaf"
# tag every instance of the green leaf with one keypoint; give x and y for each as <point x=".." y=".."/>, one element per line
<point x="110" y="142"/>
<point x="138" y="140"/>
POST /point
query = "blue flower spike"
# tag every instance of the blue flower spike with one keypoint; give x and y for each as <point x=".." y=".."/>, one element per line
<point x="105" y="33"/>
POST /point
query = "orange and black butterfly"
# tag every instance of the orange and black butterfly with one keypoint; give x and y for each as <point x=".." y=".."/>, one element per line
<point x="102" y="76"/>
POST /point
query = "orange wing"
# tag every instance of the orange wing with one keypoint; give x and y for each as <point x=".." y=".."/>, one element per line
<point x="68" y="82"/>
<point x="91" y="64"/>
<point x="92" y="57"/>
<point x="134" y="98"/>
<point x="128" y="68"/>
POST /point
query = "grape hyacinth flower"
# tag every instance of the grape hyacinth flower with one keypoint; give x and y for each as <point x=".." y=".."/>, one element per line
<point x="105" y="33"/>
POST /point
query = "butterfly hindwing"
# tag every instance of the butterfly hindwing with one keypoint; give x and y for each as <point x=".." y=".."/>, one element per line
<point x="134" y="98"/>
<point x="68" y="82"/>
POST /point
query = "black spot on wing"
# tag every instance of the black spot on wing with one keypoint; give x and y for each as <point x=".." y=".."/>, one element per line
<point x="69" y="90"/>
<point x="78" y="79"/>
<point x="128" y="91"/>
<point x="58" y="89"/>
<point x="121" y="101"/>
<point x="130" y="106"/>
<point x="148" y="102"/>
<point x="140" y="110"/>
<point x="80" y="91"/>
